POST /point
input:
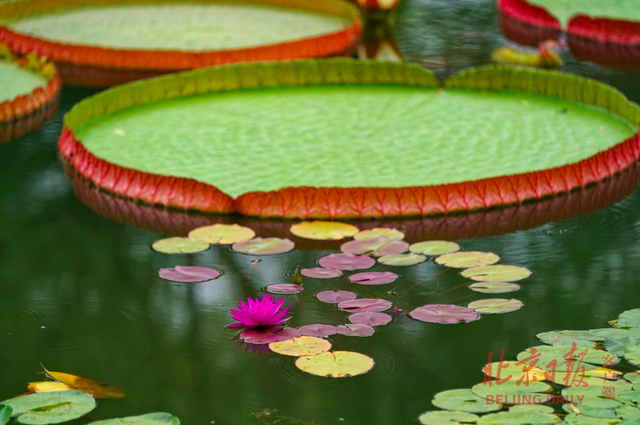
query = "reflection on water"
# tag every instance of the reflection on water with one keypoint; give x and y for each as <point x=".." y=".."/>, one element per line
<point x="79" y="290"/>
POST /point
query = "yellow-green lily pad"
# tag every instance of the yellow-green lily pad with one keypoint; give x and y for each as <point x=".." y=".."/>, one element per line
<point x="335" y="364"/>
<point x="179" y="245"/>
<point x="497" y="273"/>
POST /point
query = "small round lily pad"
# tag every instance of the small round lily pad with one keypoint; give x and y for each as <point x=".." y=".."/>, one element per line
<point x="466" y="259"/>
<point x="379" y="231"/>
<point x="444" y="313"/>
<point x="370" y="318"/>
<point x="355" y="329"/>
<point x="373" y="278"/>
<point x="158" y="418"/>
<point x="323" y="230"/>
<point x="497" y="273"/>
<point x="365" y="304"/>
<point x="334" y="297"/>
<point x="269" y="335"/>
<point x="318" y="330"/>
<point x="189" y="274"/>
<point x="434" y="247"/>
<point x="178" y="245"/>
<point x="223" y="234"/>
<point x="494" y="287"/>
<point x="519" y="418"/>
<point x="496" y="305"/>
<point x="301" y="346"/>
<point x="463" y="400"/>
<point x="347" y="261"/>
<point x="445" y="417"/>
<point x="336" y="364"/>
<point x="531" y="408"/>
<point x="321" y="273"/>
<point x="264" y="246"/>
<point x="377" y="247"/>
<point x="402" y="259"/>
<point x="284" y="288"/>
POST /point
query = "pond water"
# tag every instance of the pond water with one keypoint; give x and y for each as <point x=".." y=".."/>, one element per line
<point x="79" y="290"/>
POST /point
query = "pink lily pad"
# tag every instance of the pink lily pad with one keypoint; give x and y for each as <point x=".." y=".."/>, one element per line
<point x="347" y="261"/>
<point x="333" y="297"/>
<point x="378" y="247"/>
<point x="263" y="246"/>
<point x="355" y="329"/>
<point x="365" y="304"/>
<point x="444" y="313"/>
<point x="189" y="274"/>
<point x="318" y="330"/>
<point x="373" y="278"/>
<point x="321" y="273"/>
<point x="269" y="335"/>
<point x="370" y="318"/>
<point x="284" y="288"/>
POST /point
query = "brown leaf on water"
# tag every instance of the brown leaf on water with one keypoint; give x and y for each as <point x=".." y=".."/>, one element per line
<point x="90" y="386"/>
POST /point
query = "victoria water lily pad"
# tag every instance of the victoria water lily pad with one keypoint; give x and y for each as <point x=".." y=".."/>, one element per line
<point x="318" y="330"/>
<point x="496" y="305"/>
<point x="370" y="318"/>
<point x="347" y="261"/>
<point x="158" y="418"/>
<point x="452" y="418"/>
<point x="264" y="246"/>
<point x="301" y="346"/>
<point x="324" y="230"/>
<point x="497" y="273"/>
<point x="463" y="400"/>
<point x="365" y="304"/>
<point x="373" y="278"/>
<point x="269" y="335"/>
<point x="519" y="418"/>
<point x="284" y="288"/>
<point x="378" y="247"/>
<point x="321" y="273"/>
<point x="223" y="234"/>
<point x="334" y="297"/>
<point x="444" y="313"/>
<point x="494" y="287"/>
<point x="355" y="329"/>
<point x="48" y="387"/>
<point x="434" y="247"/>
<point x="5" y="414"/>
<point x="402" y="259"/>
<point x="51" y="408"/>
<point x="337" y="364"/>
<point x="379" y="231"/>
<point x="189" y="274"/>
<point x="466" y="259"/>
<point x="178" y="245"/>
<point x="90" y="386"/>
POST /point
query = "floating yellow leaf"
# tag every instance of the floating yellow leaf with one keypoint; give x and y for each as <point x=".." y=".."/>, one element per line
<point x="337" y="364"/>
<point x="301" y="346"/>
<point x="464" y="259"/>
<point x="323" y="230"/>
<point x="48" y="387"/>
<point x="224" y="234"/>
<point x="90" y="386"/>
<point x="379" y="231"/>
<point x="179" y="245"/>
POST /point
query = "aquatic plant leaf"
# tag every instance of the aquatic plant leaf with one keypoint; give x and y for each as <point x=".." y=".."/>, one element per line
<point x="630" y="319"/>
<point x="158" y="418"/>
<point x="373" y="278"/>
<point x="593" y="412"/>
<point x="442" y="417"/>
<point x="632" y="354"/>
<point x="189" y="274"/>
<point x="337" y="364"/>
<point x="355" y="329"/>
<point x="284" y="288"/>
<point x="90" y="386"/>
<point x="633" y="377"/>
<point x="628" y="412"/>
<point x="377" y="247"/>
<point x="48" y="387"/>
<point x="591" y="396"/>
<point x="509" y="368"/>
<point x="466" y="259"/>
<point x="346" y="261"/>
<point x="494" y="287"/>
<point x="5" y="414"/>
<point x="434" y="247"/>
<point x="324" y="230"/>
<point x="531" y="408"/>
<point x="223" y="234"/>
<point x="463" y="400"/>
<point x="573" y="419"/>
<point x="497" y="273"/>
<point x="268" y="335"/>
<point x="519" y="418"/>
<point x="365" y="304"/>
<point x="370" y="318"/>
<point x="548" y="353"/>
<point x="580" y="338"/>
<point x="402" y="259"/>
<point x="321" y="273"/>
<point x="496" y="305"/>
<point x="301" y="346"/>
<point x="51" y="408"/>
<point x="318" y="330"/>
<point x="178" y="245"/>
<point x="334" y="297"/>
<point x="444" y="313"/>
<point x="379" y="231"/>
<point x="510" y="389"/>
<point x="264" y="246"/>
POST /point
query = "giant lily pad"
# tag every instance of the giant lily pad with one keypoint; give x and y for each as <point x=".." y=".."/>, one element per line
<point x="223" y="234"/>
<point x="318" y="330"/>
<point x="324" y="230"/>
<point x="370" y="318"/>
<point x="177" y="245"/>
<point x="519" y="418"/>
<point x="496" y="306"/>
<point x="284" y="288"/>
<point x="373" y="278"/>
<point x="266" y="246"/>
<point x="625" y="10"/>
<point x="189" y="274"/>
<point x="494" y="287"/>
<point x="301" y="346"/>
<point x="96" y="388"/>
<point x="268" y="335"/>
<point x="51" y="408"/>
<point x="365" y="304"/>
<point x="497" y="273"/>
<point x="355" y="329"/>
<point x="336" y="364"/>
<point x="159" y="418"/>
<point x="321" y="273"/>
<point x="378" y="247"/>
<point x="379" y="231"/>
<point x="334" y="297"/>
<point x="434" y="247"/>
<point x="347" y="261"/>
<point x="452" y="418"/>
<point x="444" y="313"/>
<point x="466" y="259"/>
<point x="402" y="259"/>
<point x="463" y="400"/>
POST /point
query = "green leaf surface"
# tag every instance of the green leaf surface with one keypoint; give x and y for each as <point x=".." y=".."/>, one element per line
<point x="510" y="389"/>
<point x="158" y="418"/>
<point x="51" y="408"/>
<point x="463" y="400"/>
<point x="519" y="418"/>
<point x="451" y="418"/>
<point x="5" y="414"/>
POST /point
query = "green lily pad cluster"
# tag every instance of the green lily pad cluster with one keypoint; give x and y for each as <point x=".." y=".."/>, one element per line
<point x="575" y="378"/>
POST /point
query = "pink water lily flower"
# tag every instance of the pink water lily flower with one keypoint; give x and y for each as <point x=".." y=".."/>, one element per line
<point x="258" y="313"/>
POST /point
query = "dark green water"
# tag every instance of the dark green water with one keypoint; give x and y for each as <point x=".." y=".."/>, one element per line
<point x="78" y="291"/>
